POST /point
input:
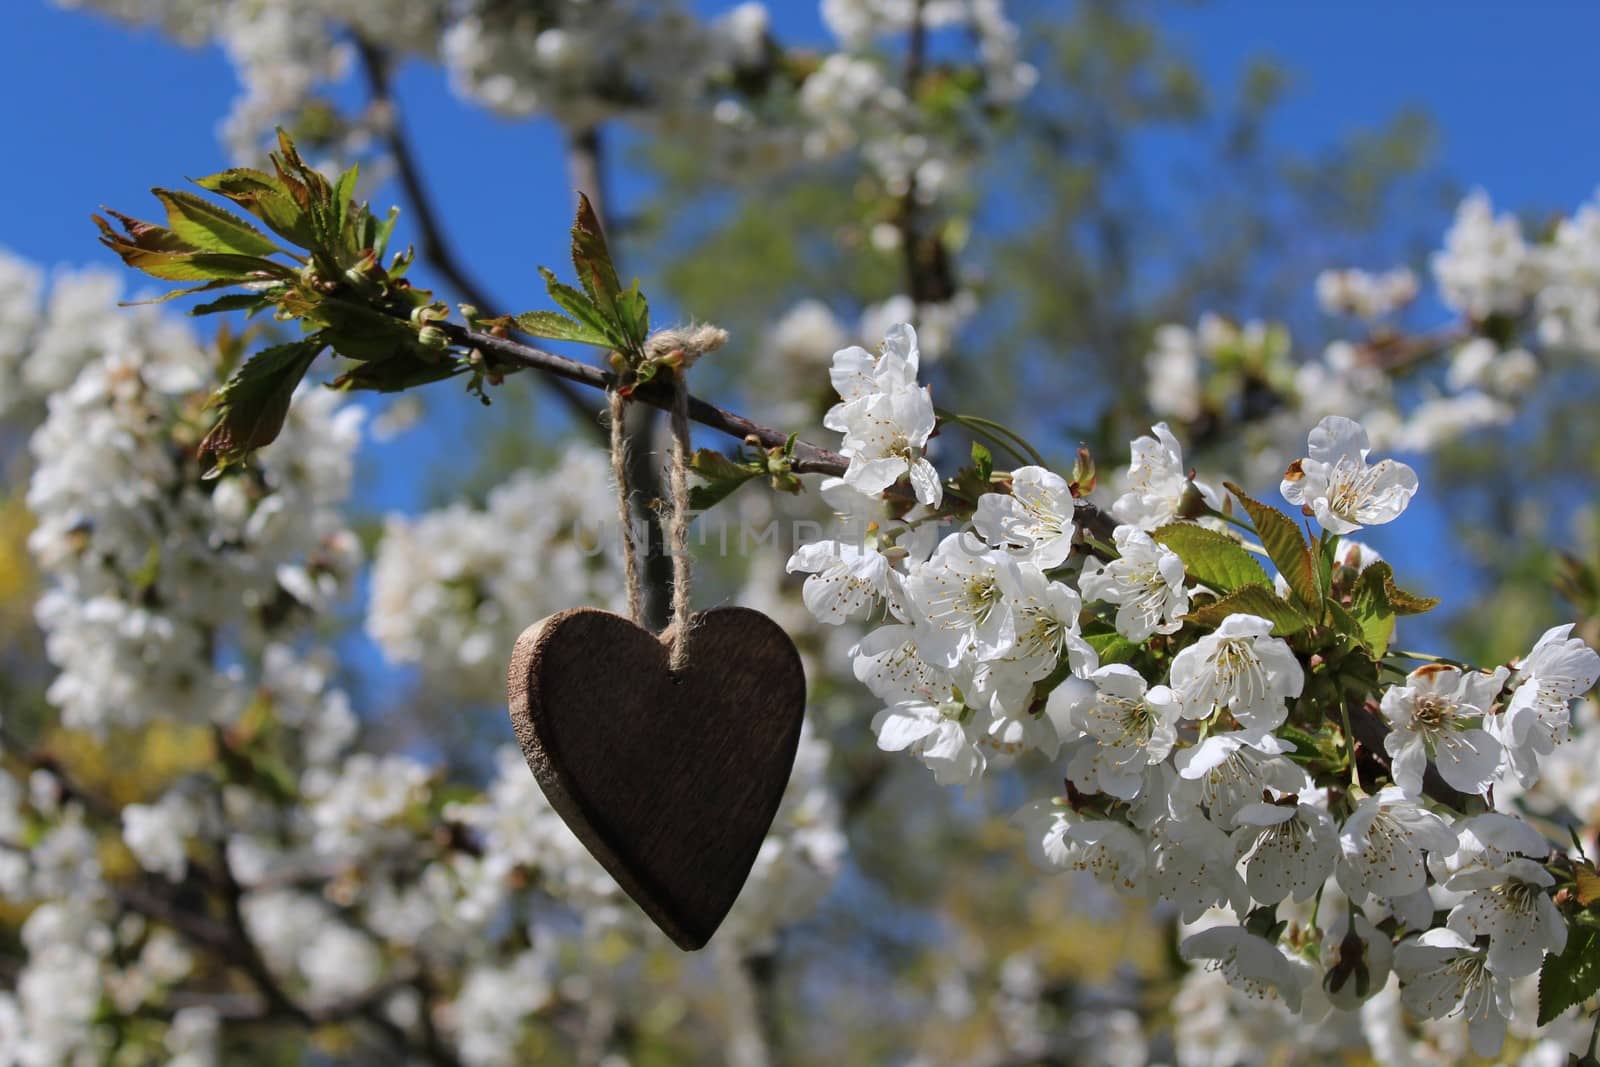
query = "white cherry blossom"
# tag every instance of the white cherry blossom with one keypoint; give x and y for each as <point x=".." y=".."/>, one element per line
<point x="1132" y="725"/>
<point x="1438" y="715"/>
<point x="890" y="663"/>
<point x="1060" y="839"/>
<point x="1511" y="905"/>
<point x="1034" y="520"/>
<point x="1357" y="555"/>
<point x="1286" y="846"/>
<point x="1363" y="294"/>
<point x="1192" y="866"/>
<point x="1486" y="843"/>
<point x="1384" y="845"/>
<point x="1145" y="582"/>
<point x="1337" y="484"/>
<point x="1043" y="630"/>
<point x="858" y="376"/>
<point x="884" y="437"/>
<point x="1172" y="373"/>
<point x="1253" y="965"/>
<point x="946" y="735"/>
<point x="846" y="580"/>
<point x="1358" y="958"/>
<point x="1442" y="974"/>
<point x="1484" y="266"/>
<point x="1157" y="482"/>
<point x="958" y="596"/>
<point x="1014" y="732"/>
<point x="1231" y="770"/>
<point x="1239" y="668"/>
<point x="1559" y="670"/>
<point x="158" y="834"/>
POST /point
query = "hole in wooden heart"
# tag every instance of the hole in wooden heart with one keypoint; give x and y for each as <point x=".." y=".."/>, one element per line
<point x="670" y="779"/>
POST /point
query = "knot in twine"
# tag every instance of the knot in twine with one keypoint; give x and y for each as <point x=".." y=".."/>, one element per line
<point x="682" y="346"/>
<point x="678" y="349"/>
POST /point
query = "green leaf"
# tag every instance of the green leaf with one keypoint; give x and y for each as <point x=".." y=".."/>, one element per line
<point x="1257" y="600"/>
<point x="633" y="314"/>
<point x="1322" y="556"/>
<point x="200" y="266"/>
<point x="982" y="461"/>
<point x="1376" y="632"/>
<point x="580" y="307"/>
<point x="211" y="228"/>
<point x="1371" y="630"/>
<point x="255" y="401"/>
<point x="1111" y="646"/>
<point x="1212" y="558"/>
<point x="1572" y="977"/>
<point x="251" y="302"/>
<point x="1305" y="744"/>
<point x="265" y="197"/>
<point x="311" y="192"/>
<point x="557" y="327"/>
<point x="1402" y="602"/>
<point x="358" y="331"/>
<point x="398" y="373"/>
<point x="1286" y="547"/>
<point x="344" y="191"/>
<point x="721" y="476"/>
<point x="161" y="253"/>
<point x="1586" y="882"/>
<point x="176" y="293"/>
<point x="592" y="260"/>
<point x="136" y="233"/>
<point x="1371" y="608"/>
<point x="378" y="233"/>
<point x="149" y="570"/>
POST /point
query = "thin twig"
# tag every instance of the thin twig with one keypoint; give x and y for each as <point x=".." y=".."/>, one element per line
<point x="586" y="173"/>
<point x="434" y="247"/>
<point x="807" y="458"/>
<point x="927" y="264"/>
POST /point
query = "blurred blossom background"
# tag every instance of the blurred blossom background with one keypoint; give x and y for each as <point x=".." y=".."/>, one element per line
<point x="259" y="797"/>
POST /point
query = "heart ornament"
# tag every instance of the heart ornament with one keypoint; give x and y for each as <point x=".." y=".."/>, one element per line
<point x="670" y="776"/>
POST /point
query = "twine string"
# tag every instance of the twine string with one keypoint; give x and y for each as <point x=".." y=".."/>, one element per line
<point x="619" y="474"/>
<point x="677" y="523"/>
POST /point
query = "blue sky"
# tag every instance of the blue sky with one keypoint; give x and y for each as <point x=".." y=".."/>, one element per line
<point x="98" y="113"/>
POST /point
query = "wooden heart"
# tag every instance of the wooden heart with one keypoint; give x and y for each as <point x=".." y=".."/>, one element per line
<point x="670" y="780"/>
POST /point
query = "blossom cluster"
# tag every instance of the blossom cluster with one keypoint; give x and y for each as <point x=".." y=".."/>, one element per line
<point x="153" y="569"/>
<point x="201" y="758"/>
<point x="1526" y="307"/>
<point x="1204" y="714"/>
<point x="453" y="587"/>
<point x="724" y="81"/>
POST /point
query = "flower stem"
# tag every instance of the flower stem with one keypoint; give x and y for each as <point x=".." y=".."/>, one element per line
<point x="1350" y="742"/>
<point x="1216" y="513"/>
<point x="1001" y="435"/>
<point x="1424" y="657"/>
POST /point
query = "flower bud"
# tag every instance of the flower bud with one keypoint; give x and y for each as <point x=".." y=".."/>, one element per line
<point x="421" y="316"/>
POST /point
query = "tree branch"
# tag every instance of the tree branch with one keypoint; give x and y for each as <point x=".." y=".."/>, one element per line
<point x="807" y="458"/>
<point x="746" y="986"/>
<point x="586" y="173"/>
<point x="927" y="264"/>
<point x="434" y="247"/>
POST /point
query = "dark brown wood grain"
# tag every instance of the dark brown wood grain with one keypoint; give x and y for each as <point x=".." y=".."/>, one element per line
<point x="671" y="781"/>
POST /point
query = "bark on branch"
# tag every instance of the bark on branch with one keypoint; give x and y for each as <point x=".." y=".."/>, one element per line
<point x="433" y="245"/>
<point x="807" y="458"/>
